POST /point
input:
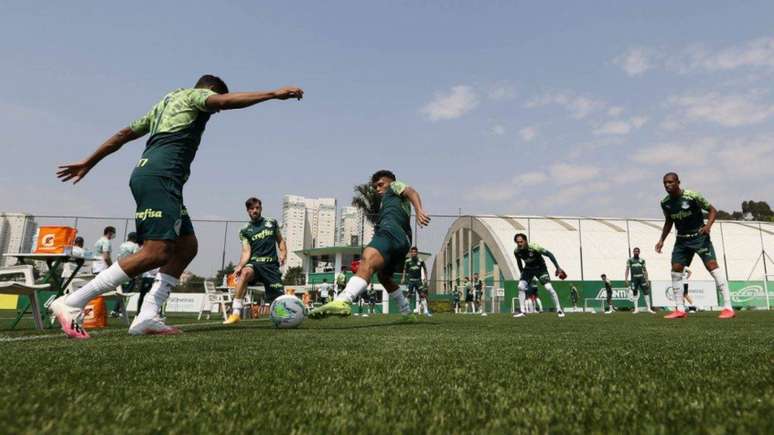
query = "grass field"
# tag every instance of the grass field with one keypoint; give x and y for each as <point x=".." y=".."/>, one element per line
<point x="449" y="374"/>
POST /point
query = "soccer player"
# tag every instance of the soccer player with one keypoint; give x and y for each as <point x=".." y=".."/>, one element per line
<point x="574" y="297"/>
<point x="529" y="258"/>
<point x="325" y="291"/>
<point x="534" y="304"/>
<point x="176" y="124"/>
<point x="416" y="269"/>
<point x="371" y="295"/>
<point x="103" y="250"/>
<point x="608" y="294"/>
<point x="422" y="306"/>
<point x="470" y="307"/>
<point x="126" y="249"/>
<point x="456" y="299"/>
<point x="388" y="249"/>
<point x="684" y="209"/>
<point x="341" y="281"/>
<point x="639" y="280"/>
<point x="478" y="286"/>
<point x="259" y="261"/>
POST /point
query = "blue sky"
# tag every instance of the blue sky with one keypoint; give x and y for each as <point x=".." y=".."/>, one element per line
<point x="564" y="108"/>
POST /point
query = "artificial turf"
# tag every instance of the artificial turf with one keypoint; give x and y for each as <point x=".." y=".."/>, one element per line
<point x="448" y="374"/>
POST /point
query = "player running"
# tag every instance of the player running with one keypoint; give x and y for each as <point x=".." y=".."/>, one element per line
<point x="176" y="124"/>
<point x="529" y="258"/>
<point x="639" y="280"/>
<point x="387" y="251"/>
<point x="684" y="209"/>
<point x="416" y="270"/>
<point x="259" y="261"/>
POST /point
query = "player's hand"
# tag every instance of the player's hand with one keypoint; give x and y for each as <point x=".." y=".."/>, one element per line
<point x="705" y="230"/>
<point x="423" y="218"/>
<point x="659" y="246"/>
<point x="73" y="171"/>
<point x="237" y="271"/>
<point x="282" y="259"/>
<point x="561" y="274"/>
<point x="288" y="92"/>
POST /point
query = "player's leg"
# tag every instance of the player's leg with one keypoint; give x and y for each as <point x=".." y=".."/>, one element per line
<point x="545" y="279"/>
<point x="396" y="294"/>
<point x="722" y="285"/>
<point x="371" y="261"/>
<point x="635" y="289"/>
<point x="246" y="276"/>
<point x="523" y="286"/>
<point x="646" y="296"/>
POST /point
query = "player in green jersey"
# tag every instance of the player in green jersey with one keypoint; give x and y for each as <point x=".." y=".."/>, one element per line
<point x="529" y="258"/>
<point x="639" y="280"/>
<point x="386" y="253"/>
<point x="416" y="270"/>
<point x="259" y="261"/>
<point x="684" y="209"/>
<point x="175" y="124"/>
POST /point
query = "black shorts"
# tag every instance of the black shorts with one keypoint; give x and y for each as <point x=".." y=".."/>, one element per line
<point x="541" y="274"/>
<point x="160" y="213"/>
<point x="638" y="284"/>
<point x="414" y="286"/>
<point x="394" y="246"/>
<point x="269" y="275"/>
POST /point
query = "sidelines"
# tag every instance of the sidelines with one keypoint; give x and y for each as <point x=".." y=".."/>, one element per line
<point x="110" y="332"/>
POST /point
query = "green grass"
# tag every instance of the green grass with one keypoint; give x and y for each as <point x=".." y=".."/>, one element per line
<point x="449" y="374"/>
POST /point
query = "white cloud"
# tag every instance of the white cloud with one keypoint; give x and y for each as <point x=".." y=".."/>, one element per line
<point x="571" y="194"/>
<point x="528" y="134"/>
<point x="676" y="153"/>
<point x="497" y="130"/>
<point x="566" y="173"/>
<point x="502" y="91"/>
<point x="635" y="61"/>
<point x="725" y="110"/>
<point x="615" y="111"/>
<point x="530" y="178"/>
<point x="620" y="127"/>
<point x="458" y="101"/>
<point x="578" y="106"/>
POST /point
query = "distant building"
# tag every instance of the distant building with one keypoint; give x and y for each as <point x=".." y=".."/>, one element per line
<point x="354" y="230"/>
<point x="307" y="223"/>
<point x="17" y="233"/>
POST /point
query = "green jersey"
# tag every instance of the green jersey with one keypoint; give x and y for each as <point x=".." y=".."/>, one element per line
<point x="637" y="266"/>
<point x="175" y="124"/>
<point x="413" y="268"/>
<point x="532" y="256"/>
<point x="686" y="211"/>
<point x="395" y="211"/>
<point x="261" y="237"/>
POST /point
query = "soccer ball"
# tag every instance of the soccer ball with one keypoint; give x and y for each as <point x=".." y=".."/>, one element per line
<point x="287" y="312"/>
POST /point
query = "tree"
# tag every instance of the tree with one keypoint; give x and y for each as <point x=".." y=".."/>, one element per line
<point x="228" y="270"/>
<point x="368" y="201"/>
<point x="294" y="276"/>
<point x="751" y="210"/>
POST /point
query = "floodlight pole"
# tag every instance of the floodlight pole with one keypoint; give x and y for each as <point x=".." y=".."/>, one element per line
<point x="765" y="269"/>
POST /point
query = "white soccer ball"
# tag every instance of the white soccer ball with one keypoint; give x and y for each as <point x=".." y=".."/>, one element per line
<point x="287" y="312"/>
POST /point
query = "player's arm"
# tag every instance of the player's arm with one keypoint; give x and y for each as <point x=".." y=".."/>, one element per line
<point x="547" y="253"/>
<point x="424" y="269"/>
<point x="626" y="274"/>
<point x="403" y="275"/>
<point x="245" y="256"/>
<point x="518" y="263"/>
<point x="664" y="233"/>
<point x="711" y="216"/>
<point x="106" y="258"/>
<point x="240" y="100"/>
<point x="76" y="171"/>
<point x="644" y="271"/>
<point x="413" y="196"/>
<point x="283" y="249"/>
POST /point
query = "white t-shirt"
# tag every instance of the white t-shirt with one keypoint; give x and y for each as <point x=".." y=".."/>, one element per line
<point x="101" y="246"/>
<point x="324" y="289"/>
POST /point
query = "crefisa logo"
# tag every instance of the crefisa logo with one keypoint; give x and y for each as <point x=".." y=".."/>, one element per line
<point x="747" y="294"/>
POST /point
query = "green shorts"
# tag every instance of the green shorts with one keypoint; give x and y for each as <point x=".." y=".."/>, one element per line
<point x="394" y="247"/>
<point x="686" y="247"/>
<point x="639" y="283"/>
<point x="268" y="274"/>
<point x="541" y="274"/>
<point x="160" y="214"/>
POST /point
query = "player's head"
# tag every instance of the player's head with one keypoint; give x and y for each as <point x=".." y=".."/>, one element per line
<point x="131" y="237"/>
<point x="109" y="232"/>
<point x="636" y="252"/>
<point x="214" y="83"/>
<point x="381" y="180"/>
<point x="475" y="276"/>
<point x="521" y="240"/>
<point x="78" y="242"/>
<point x="254" y="208"/>
<point x="467" y="279"/>
<point x="414" y="252"/>
<point x="672" y="183"/>
<point x="325" y="280"/>
<point x="603" y="276"/>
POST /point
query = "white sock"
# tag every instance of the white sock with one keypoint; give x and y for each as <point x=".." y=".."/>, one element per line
<point x="353" y="290"/>
<point x="106" y="281"/>
<point x="554" y="296"/>
<point x="522" y="296"/>
<point x="647" y="301"/>
<point x="722" y="284"/>
<point x="236" y="306"/>
<point x="158" y="294"/>
<point x="403" y="303"/>
<point x="677" y="286"/>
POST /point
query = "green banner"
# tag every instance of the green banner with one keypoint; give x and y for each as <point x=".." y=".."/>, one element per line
<point x="749" y="294"/>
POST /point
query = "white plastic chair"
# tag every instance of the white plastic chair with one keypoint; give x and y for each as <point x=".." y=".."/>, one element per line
<point x="211" y="298"/>
<point x="24" y="287"/>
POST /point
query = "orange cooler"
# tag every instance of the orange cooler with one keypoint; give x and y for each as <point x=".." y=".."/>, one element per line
<point x="55" y="240"/>
<point x="95" y="314"/>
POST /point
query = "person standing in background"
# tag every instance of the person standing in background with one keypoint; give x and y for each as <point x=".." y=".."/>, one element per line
<point x="102" y="250"/>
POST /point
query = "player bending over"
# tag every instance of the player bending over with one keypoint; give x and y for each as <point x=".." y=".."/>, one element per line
<point x="529" y="257"/>
<point x="176" y="124"/>
<point x="639" y="280"/>
<point x="387" y="251"/>
<point x="259" y="261"/>
<point x="684" y="209"/>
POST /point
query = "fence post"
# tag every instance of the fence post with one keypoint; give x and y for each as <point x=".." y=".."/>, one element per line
<point x="223" y="257"/>
<point x="628" y="238"/>
<point x="723" y="243"/>
<point x="580" y="248"/>
<point x="765" y="268"/>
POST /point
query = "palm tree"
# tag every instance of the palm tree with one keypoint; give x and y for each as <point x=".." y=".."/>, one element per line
<point x="368" y="201"/>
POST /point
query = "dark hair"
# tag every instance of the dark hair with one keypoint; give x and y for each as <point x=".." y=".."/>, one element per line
<point x="672" y="174"/>
<point x="522" y="235"/>
<point x="382" y="173"/>
<point x="252" y="201"/>
<point x="78" y="241"/>
<point x="109" y="229"/>
<point x="213" y="82"/>
<point x="636" y="248"/>
<point x="132" y="237"/>
<point x="325" y="279"/>
<point x="414" y="248"/>
<point x="603" y="276"/>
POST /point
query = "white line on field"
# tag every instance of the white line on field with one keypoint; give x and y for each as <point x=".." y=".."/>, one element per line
<point x="110" y="332"/>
